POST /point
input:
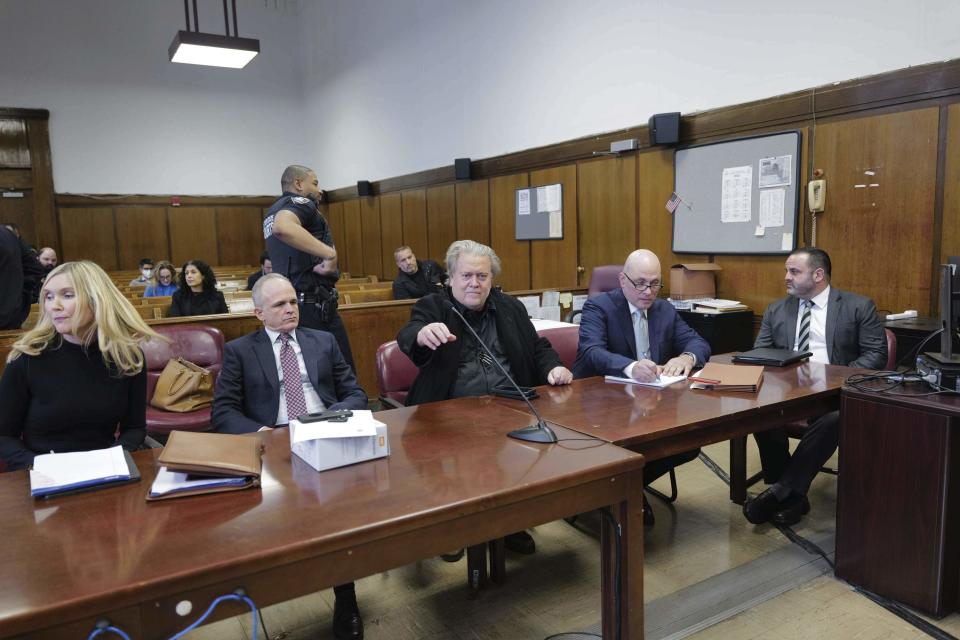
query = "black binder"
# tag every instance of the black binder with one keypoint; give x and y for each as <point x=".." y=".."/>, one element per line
<point x="771" y="357"/>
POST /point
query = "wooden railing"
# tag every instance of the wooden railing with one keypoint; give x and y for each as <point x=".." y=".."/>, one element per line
<point x="369" y="324"/>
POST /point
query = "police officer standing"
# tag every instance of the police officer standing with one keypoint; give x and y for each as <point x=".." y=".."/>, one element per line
<point x="301" y="248"/>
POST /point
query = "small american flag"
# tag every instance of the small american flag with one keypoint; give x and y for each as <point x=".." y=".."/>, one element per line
<point x="673" y="202"/>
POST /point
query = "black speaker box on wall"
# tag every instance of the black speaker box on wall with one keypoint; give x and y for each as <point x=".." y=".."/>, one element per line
<point x="664" y="128"/>
<point x="461" y="168"/>
<point x="364" y="188"/>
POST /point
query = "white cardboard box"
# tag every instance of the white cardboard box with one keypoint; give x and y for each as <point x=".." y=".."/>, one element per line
<point x="328" y="445"/>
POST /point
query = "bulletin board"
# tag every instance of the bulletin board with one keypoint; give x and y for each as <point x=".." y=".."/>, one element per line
<point x="539" y="213"/>
<point x="738" y="196"/>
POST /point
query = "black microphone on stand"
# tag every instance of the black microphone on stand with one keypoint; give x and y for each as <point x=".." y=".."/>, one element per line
<point x="540" y="432"/>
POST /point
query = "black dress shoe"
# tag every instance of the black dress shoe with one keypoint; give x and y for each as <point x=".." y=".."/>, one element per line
<point x="454" y="556"/>
<point x="648" y="518"/>
<point x="760" y="509"/>
<point x="521" y="542"/>
<point x="791" y="510"/>
<point x="347" y="624"/>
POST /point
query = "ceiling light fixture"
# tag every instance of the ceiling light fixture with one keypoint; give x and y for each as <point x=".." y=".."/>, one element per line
<point x="193" y="47"/>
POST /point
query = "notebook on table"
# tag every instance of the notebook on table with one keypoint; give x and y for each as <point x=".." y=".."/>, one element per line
<point x="59" y="474"/>
<point x="771" y="357"/>
<point x="728" y="377"/>
<point x="196" y="463"/>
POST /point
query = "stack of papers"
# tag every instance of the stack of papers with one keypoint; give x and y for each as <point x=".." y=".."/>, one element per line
<point x="659" y="383"/>
<point x="718" y="305"/>
<point x="60" y="473"/>
<point x="170" y="484"/>
<point x="728" y="377"/>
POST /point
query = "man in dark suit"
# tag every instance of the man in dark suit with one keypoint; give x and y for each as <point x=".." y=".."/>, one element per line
<point x="838" y="327"/>
<point x="252" y="391"/>
<point x="265" y="267"/>
<point x="629" y="333"/>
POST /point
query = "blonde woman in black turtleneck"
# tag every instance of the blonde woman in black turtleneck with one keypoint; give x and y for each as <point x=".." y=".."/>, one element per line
<point x="77" y="378"/>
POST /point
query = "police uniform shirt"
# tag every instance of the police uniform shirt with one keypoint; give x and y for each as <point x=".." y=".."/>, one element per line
<point x="288" y="261"/>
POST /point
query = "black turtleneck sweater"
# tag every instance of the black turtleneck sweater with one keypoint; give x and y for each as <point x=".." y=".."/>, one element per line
<point x="187" y="303"/>
<point x="65" y="399"/>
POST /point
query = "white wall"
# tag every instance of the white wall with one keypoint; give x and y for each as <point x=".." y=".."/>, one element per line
<point x="368" y="89"/>
<point x="123" y="119"/>
<point x="397" y="87"/>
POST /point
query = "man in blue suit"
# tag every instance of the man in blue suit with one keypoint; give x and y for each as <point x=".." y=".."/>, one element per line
<point x="629" y="333"/>
<point x="253" y="391"/>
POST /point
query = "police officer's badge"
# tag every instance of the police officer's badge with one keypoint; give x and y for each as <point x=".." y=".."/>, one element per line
<point x="299" y="200"/>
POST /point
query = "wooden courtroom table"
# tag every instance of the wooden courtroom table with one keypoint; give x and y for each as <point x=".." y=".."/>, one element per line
<point x="453" y="478"/>
<point x="663" y="422"/>
<point x="898" y="497"/>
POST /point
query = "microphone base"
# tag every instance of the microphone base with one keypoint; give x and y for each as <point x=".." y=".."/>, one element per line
<point x="533" y="433"/>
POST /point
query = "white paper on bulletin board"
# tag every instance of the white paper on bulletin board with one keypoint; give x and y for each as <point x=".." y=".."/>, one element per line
<point x="539" y="213"/>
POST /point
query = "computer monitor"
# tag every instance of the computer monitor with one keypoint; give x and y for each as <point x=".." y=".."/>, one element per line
<point x="949" y="311"/>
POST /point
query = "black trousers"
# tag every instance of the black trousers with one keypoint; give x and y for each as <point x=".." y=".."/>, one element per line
<point x="656" y="468"/>
<point x="796" y="472"/>
<point x="310" y="318"/>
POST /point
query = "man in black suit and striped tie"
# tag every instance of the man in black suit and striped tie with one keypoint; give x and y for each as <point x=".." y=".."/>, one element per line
<point x="838" y="327"/>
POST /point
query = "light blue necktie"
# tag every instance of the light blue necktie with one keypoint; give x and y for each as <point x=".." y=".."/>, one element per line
<point x="641" y="335"/>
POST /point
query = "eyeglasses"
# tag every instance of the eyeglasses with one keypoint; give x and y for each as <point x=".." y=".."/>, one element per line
<point x="643" y="286"/>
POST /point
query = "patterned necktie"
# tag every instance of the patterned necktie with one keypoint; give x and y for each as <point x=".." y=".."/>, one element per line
<point x="292" y="386"/>
<point x="803" y="337"/>
<point x="640" y="331"/>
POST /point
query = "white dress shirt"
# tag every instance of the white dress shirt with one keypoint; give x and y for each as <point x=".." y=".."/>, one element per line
<point x="818" y="327"/>
<point x="314" y="403"/>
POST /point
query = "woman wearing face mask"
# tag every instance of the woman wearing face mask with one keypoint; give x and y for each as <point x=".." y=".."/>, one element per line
<point x="146" y="273"/>
<point x="197" y="294"/>
<point x="165" y="283"/>
<point x="78" y="377"/>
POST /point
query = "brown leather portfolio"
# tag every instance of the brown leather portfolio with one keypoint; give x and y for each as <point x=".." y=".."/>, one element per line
<point x="729" y="377"/>
<point x="212" y="454"/>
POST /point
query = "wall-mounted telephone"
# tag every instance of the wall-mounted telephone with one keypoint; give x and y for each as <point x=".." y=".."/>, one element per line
<point x="816" y="195"/>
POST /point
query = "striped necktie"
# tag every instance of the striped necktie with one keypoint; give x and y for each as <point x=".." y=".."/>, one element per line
<point x="803" y="337"/>
<point x="292" y="384"/>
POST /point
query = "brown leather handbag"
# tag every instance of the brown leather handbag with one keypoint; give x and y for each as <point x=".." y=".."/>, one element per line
<point x="182" y="387"/>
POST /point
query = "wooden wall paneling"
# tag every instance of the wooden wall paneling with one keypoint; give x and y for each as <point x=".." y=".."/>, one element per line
<point x="334" y="215"/>
<point x="553" y="263"/>
<point x="353" y="238"/>
<point x="391" y="232"/>
<point x="415" y="221"/>
<point x="441" y="220"/>
<point x="19" y="211"/>
<point x="240" y="231"/>
<point x="607" y="206"/>
<point x="755" y="281"/>
<point x="950" y="236"/>
<point x="15" y="179"/>
<point x="89" y="234"/>
<point x="14" y="146"/>
<point x="370" y="233"/>
<point x="514" y="254"/>
<point x="880" y="239"/>
<point x="193" y="235"/>
<point x="655" y="223"/>
<point x="473" y="211"/>
<point x="141" y="233"/>
<point x="41" y="166"/>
